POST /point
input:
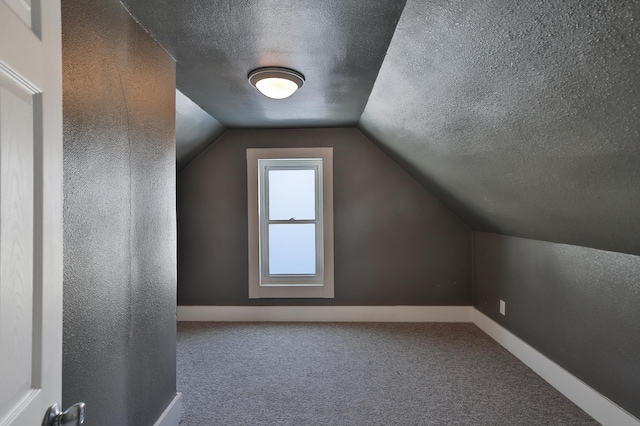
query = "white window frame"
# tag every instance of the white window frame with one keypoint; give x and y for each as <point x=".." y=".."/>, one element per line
<point x="261" y="284"/>
<point x="264" y="167"/>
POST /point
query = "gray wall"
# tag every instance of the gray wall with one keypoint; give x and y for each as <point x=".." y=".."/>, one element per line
<point x="576" y="305"/>
<point x="522" y="116"/>
<point x="395" y="244"/>
<point x="119" y="216"/>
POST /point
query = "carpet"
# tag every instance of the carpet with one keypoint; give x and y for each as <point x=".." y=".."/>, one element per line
<point x="359" y="374"/>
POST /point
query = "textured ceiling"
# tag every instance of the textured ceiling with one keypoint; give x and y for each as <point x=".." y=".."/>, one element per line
<point x="524" y="117"/>
<point x="338" y="45"/>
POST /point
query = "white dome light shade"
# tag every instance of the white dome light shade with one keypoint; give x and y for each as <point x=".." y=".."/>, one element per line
<point x="276" y="88"/>
<point x="276" y="83"/>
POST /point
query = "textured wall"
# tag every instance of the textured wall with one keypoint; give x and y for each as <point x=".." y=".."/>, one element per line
<point x="576" y="305"/>
<point x="119" y="216"/>
<point x="524" y="117"/>
<point x="395" y="244"/>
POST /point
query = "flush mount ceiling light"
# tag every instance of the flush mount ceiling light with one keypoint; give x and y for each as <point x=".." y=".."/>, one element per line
<point x="276" y="82"/>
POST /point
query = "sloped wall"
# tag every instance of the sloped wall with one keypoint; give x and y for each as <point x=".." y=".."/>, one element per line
<point x="119" y="216"/>
<point x="195" y="130"/>
<point x="395" y="244"/>
<point x="576" y="305"/>
<point x="523" y="117"/>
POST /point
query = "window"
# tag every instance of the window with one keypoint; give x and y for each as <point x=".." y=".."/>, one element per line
<point x="290" y="200"/>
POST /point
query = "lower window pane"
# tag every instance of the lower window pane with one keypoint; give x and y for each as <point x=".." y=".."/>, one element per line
<point x="292" y="249"/>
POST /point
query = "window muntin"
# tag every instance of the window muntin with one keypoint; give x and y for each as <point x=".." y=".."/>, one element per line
<point x="304" y="266"/>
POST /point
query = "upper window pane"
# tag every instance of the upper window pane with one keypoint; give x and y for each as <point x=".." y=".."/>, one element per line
<point x="292" y="194"/>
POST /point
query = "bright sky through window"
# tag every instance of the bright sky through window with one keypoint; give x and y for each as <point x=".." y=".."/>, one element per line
<point x="292" y="246"/>
<point x="292" y="249"/>
<point x="292" y="194"/>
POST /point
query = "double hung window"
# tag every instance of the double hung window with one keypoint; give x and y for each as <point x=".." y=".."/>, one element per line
<point x="290" y="222"/>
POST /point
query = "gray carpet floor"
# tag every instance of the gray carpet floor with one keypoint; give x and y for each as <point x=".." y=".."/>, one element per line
<point x="359" y="374"/>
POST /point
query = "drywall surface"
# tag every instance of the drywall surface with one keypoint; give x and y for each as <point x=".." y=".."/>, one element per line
<point x="338" y="45"/>
<point x="523" y="117"/>
<point x="576" y="305"/>
<point x="195" y="130"/>
<point x="119" y="216"/>
<point x="395" y="244"/>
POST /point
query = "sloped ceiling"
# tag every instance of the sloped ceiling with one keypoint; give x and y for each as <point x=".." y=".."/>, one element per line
<point x="524" y="117"/>
<point x="195" y="130"/>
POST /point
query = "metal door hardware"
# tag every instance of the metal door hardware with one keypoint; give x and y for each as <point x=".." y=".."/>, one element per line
<point x="72" y="417"/>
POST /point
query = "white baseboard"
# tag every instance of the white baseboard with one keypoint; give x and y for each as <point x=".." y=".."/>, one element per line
<point x="326" y="313"/>
<point x="172" y="415"/>
<point x="593" y="403"/>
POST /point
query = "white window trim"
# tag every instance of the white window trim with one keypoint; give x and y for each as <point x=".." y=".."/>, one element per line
<point x="321" y="288"/>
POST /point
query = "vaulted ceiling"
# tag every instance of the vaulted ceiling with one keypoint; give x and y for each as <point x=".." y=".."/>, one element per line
<point x="523" y="116"/>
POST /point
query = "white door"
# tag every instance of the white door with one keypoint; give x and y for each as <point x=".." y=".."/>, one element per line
<point x="30" y="210"/>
